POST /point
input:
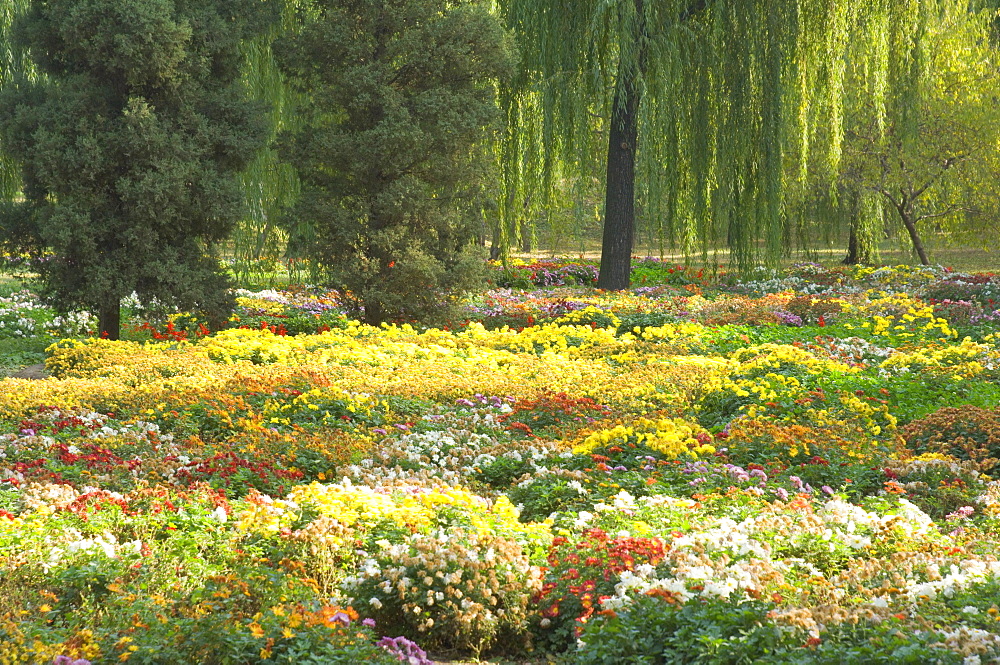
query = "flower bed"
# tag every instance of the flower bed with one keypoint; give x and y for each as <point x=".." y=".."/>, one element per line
<point x="793" y="469"/>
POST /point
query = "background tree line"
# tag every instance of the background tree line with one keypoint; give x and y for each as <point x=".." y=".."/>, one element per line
<point x="390" y="140"/>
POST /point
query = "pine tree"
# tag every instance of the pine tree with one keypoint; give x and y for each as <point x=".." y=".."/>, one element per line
<point x="130" y="148"/>
<point x="393" y="143"/>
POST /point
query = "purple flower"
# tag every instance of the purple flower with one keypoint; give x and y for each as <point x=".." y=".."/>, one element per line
<point x="827" y="489"/>
<point x="379" y="430"/>
<point x="782" y="493"/>
<point x="796" y="481"/>
<point x="66" y="660"/>
<point x="789" y="319"/>
<point x="368" y="623"/>
<point x="405" y="650"/>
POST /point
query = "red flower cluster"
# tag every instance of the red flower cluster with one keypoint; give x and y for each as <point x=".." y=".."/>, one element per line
<point x="225" y="466"/>
<point x="582" y="573"/>
<point x="96" y="501"/>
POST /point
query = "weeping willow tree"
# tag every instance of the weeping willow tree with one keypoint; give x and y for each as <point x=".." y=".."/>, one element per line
<point x="715" y="111"/>
<point x="13" y="62"/>
<point x="538" y="186"/>
<point x="270" y="184"/>
<point x="931" y="161"/>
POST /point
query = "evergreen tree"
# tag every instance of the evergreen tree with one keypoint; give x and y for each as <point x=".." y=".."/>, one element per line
<point x="393" y="143"/>
<point x="130" y="148"/>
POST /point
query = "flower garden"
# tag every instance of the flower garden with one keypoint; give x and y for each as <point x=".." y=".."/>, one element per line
<point x="790" y="468"/>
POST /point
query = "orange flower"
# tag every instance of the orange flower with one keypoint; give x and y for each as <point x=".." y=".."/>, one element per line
<point x="256" y="630"/>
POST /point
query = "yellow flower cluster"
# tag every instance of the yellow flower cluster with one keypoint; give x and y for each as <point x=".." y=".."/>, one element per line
<point x="258" y="346"/>
<point x="318" y="400"/>
<point x="16" y="648"/>
<point x="770" y="387"/>
<point x="684" y="332"/>
<point x="671" y="437"/>
<point x="260" y="304"/>
<point x="965" y="360"/>
<point x="765" y="359"/>
<point x="349" y="507"/>
<point x="347" y="511"/>
<point x="904" y="316"/>
<point x="587" y="314"/>
<point x="564" y="340"/>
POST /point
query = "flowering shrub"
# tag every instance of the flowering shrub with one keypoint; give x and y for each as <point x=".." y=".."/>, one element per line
<point x="659" y="627"/>
<point x="966" y="432"/>
<point x="543" y="273"/>
<point x="456" y="589"/>
<point x="581" y="573"/>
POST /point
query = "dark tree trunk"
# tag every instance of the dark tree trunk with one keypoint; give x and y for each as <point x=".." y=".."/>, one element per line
<point x="110" y="319"/>
<point x="858" y="251"/>
<point x="525" y="237"/>
<point x="374" y="313"/>
<point x="619" y="201"/>
<point x="911" y="228"/>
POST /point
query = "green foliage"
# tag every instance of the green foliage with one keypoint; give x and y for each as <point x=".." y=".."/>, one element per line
<point x="392" y="144"/>
<point x="655" y="630"/>
<point x="12" y="62"/>
<point x="16" y="353"/>
<point x="130" y="148"/>
<point x="268" y="183"/>
<point x="932" y="156"/>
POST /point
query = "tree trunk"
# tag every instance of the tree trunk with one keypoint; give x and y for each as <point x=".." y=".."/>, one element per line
<point x="619" y="201"/>
<point x="911" y="228"/>
<point x="859" y="252"/>
<point x="525" y="237"/>
<point x="110" y="319"/>
<point x="374" y="313"/>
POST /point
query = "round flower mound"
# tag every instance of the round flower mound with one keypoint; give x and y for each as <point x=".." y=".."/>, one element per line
<point x="967" y="432"/>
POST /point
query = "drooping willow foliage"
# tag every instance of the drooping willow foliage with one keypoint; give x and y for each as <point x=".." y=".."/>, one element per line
<point x="742" y="105"/>
<point x="270" y="184"/>
<point x="12" y="63"/>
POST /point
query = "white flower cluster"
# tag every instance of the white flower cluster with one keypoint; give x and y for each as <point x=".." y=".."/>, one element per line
<point x="855" y="351"/>
<point x="732" y="556"/>
<point x="955" y="578"/>
<point x="22" y="314"/>
<point x="72" y="543"/>
<point x="452" y="454"/>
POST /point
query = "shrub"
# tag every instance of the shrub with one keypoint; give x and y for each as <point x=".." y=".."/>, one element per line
<point x="456" y="588"/>
<point x="660" y="630"/>
<point x="966" y="432"/>
<point x="582" y="572"/>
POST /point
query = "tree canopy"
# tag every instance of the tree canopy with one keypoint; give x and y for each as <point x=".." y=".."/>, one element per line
<point x="936" y="158"/>
<point x="130" y="148"/>
<point x="722" y="106"/>
<point x="12" y="63"/>
<point x="392" y="149"/>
